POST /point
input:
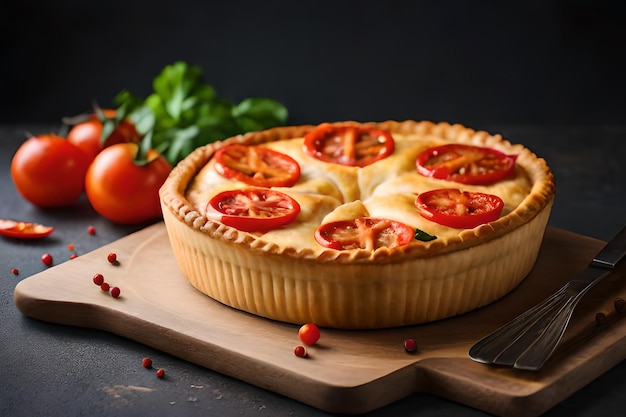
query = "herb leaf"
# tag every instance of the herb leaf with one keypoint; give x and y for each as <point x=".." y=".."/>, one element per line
<point x="184" y="113"/>
<point x="254" y="113"/>
<point x="423" y="236"/>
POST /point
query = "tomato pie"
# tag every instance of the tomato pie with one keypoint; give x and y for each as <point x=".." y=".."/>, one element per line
<point x="358" y="225"/>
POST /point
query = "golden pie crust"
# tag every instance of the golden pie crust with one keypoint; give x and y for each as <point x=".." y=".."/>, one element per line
<point x="285" y="275"/>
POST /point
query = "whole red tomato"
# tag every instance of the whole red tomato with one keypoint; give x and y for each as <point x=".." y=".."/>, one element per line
<point x="49" y="171"/>
<point x="123" y="190"/>
<point x="87" y="135"/>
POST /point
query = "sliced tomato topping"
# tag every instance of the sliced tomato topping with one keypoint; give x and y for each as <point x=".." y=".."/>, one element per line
<point x="459" y="209"/>
<point x="257" y="165"/>
<point x="253" y="209"/>
<point x="348" y="145"/>
<point x="465" y="164"/>
<point x="24" y="230"/>
<point x="364" y="233"/>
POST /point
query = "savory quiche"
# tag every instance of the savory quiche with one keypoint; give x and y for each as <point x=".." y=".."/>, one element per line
<point x="358" y="225"/>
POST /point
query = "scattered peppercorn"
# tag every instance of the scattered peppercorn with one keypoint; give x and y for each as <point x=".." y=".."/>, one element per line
<point x="70" y="247"/>
<point x="98" y="279"/>
<point x="160" y="373"/>
<point x="46" y="258"/>
<point x="91" y="230"/>
<point x="115" y="292"/>
<point x="410" y="345"/>
<point x="73" y="256"/>
<point x="146" y="363"/>
<point x="300" y="351"/>
<point x="620" y="305"/>
<point x="112" y="258"/>
<point x="600" y="319"/>
<point x="15" y="271"/>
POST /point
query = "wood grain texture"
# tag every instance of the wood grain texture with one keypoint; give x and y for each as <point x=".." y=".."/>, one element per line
<point x="347" y="371"/>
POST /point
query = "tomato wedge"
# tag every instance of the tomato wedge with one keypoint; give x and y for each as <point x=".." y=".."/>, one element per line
<point x="253" y="209"/>
<point x="459" y="209"/>
<point x="364" y="233"/>
<point x="24" y="230"/>
<point x="257" y="165"/>
<point x="465" y="164"/>
<point x="348" y="145"/>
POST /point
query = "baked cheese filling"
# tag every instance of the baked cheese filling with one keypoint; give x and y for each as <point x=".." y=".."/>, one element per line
<point x="329" y="192"/>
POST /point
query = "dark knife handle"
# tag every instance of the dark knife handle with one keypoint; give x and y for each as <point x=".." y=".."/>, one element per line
<point x="612" y="253"/>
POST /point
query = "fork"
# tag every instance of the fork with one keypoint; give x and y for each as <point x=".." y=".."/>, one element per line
<point x="529" y="340"/>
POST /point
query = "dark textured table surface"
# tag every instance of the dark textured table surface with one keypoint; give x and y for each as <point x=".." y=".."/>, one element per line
<point x="49" y="369"/>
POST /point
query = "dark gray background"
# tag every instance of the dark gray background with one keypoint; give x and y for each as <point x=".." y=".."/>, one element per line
<point x="474" y="62"/>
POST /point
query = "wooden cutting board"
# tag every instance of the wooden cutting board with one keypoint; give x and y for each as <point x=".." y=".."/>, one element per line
<point x="348" y="371"/>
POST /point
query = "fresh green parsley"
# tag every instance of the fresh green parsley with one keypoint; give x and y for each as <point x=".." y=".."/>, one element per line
<point x="183" y="113"/>
<point x="423" y="236"/>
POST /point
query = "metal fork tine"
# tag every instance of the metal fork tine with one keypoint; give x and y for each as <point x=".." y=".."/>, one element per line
<point x="511" y="353"/>
<point x="536" y="355"/>
<point x="489" y="348"/>
<point x="529" y="340"/>
<point x="541" y="349"/>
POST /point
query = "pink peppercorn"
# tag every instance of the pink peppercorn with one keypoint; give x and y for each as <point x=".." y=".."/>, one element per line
<point x="112" y="258"/>
<point x="300" y="351"/>
<point x="46" y="258"/>
<point x="410" y="345"/>
<point x="146" y="363"/>
<point x="98" y="279"/>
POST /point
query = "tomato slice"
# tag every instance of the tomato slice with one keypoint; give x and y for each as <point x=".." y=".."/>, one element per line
<point x="459" y="209"/>
<point x="253" y="209"/>
<point x="364" y="233"/>
<point x="24" y="230"/>
<point x="465" y="164"/>
<point x="348" y="145"/>
<point x="257" y="165"/>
